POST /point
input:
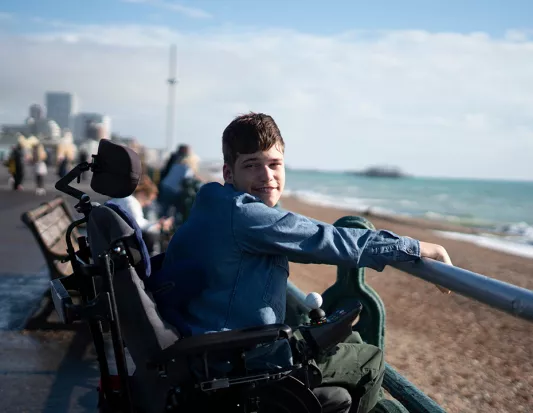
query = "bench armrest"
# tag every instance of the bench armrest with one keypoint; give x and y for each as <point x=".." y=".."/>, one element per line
<point x="98" y="308"/>
<point x="57" y="256"/>
<point x="63" y="302"/>
<point x="223" y="341"/>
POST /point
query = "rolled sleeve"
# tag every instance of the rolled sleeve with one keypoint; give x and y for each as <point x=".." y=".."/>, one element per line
<point x="410" y="247"/>
<point x="259" y="229"/>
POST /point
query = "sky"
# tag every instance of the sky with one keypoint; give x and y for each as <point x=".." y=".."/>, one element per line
<point x="438" y="88"/>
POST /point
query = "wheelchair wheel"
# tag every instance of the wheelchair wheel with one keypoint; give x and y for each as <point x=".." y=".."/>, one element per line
<point x="288" y="395"/>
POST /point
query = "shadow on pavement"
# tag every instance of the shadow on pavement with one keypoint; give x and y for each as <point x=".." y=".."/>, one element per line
<point x="43" y="371"/>
<point x="74" y="373"/>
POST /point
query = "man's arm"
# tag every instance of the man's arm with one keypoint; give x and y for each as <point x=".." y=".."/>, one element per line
<point x="259" y="229"/>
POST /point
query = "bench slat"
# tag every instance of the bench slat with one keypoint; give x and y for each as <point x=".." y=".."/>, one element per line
<point x="52" y="226"/>
<point x="49" y="223"/>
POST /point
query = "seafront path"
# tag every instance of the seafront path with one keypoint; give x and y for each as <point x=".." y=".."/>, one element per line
<point x="50" y="371"/>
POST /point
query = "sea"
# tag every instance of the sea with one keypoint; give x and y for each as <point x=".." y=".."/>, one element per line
<point x="500" y="211"/>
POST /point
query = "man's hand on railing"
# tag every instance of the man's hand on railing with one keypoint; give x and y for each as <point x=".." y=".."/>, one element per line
<point x="438" y="253"/>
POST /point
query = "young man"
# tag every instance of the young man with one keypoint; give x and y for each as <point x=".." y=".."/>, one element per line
<point x="230" y="259"/>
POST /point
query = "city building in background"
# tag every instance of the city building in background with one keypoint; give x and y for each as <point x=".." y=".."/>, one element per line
<point x="61" y="107"/>
<point x="83" y="123"/>
<point x="36" y="112"/>
<point x="59" y="121"/>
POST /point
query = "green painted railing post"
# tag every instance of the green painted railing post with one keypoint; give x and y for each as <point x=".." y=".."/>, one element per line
<point x="351" y="285"/>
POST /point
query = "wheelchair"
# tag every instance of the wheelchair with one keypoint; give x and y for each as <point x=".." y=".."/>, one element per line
<point x="158" y="367"/>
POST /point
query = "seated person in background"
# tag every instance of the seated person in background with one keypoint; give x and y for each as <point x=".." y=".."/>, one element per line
<point x="145" y="193"/>
<point x="240" y="247"/>
<point x="174" y="156"/>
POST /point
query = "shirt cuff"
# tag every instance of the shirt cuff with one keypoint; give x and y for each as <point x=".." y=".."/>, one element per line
<point x="409" y="246"/>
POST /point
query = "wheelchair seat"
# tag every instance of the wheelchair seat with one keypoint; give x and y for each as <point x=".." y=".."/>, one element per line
<point x="163" y="357"/>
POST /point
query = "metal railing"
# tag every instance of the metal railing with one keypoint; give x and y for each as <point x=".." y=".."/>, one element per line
<point x="506" y="297"/>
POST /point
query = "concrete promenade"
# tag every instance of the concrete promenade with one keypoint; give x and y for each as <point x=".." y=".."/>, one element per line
<point x="40" y="370"/>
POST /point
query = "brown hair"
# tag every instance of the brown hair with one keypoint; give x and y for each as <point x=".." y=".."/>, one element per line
<point x="146" y="186"/>
<point x="250" y="133"/>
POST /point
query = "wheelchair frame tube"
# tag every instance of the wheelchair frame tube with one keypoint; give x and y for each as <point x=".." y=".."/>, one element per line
<point x="116" y="334"/>
<point x="88" y="292"/>
<point x="63" y="184"/>
<point x="498" y="294"/>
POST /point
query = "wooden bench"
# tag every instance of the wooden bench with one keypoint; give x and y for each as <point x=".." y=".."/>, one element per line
<point x="49" y="223"/>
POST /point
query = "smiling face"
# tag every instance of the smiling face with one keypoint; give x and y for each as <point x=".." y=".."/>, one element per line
<point x="261" y="174"/>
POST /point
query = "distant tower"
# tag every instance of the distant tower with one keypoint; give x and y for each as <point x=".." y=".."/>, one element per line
<point x="172" y="81"/>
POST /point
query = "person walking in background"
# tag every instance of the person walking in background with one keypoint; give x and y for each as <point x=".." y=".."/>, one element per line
<point x="83" y="156"/>
<point x="9" y="163"/>
<point x="41" y="170"/>
<point x="16" y="162"/>
<point x="66" y="152"/>
<point x="95" y="133"/>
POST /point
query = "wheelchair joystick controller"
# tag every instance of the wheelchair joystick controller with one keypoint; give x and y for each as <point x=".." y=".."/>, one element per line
<point x="323" y="332"/>
<point x="317" y="315"/>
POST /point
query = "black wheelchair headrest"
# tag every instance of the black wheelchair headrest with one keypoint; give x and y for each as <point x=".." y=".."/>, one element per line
<point x="116" y="170"/>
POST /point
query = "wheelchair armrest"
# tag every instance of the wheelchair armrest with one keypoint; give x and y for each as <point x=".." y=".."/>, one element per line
<point x="222" y="341"/>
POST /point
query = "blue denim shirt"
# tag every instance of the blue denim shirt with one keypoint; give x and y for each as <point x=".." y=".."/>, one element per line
<point x="230" y="260"/>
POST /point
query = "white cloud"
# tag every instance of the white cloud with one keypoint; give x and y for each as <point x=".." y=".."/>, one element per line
<point x="518" y="35"/>
<point x="192" y="12"/>
<point x="432" y="103"/>
<point x="476" y="121"/>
